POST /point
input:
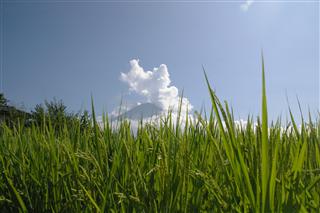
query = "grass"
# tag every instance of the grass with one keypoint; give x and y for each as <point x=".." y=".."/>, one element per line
<point x="210" y="164"/>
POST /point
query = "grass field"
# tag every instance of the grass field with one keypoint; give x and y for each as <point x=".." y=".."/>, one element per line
<point x="209" y="164"/>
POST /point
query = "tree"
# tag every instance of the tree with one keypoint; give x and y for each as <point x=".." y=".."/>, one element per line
<point x="54" y="112"/>
<point x="10" y="114"/>
<point x="3" y="100"/>
<point x="85" y="120"/>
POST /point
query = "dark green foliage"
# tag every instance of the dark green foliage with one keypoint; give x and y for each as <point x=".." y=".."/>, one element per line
<point x="3" y="100"/>
<point x="55" y="114"/>
<point x="10" y="115"/>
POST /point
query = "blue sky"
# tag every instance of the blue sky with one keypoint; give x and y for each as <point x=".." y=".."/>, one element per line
<point x="72" y="49"/>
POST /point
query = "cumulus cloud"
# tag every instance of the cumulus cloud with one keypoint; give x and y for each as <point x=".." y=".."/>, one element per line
<point x="245" y="6"/>
<point x="155" y="87"/>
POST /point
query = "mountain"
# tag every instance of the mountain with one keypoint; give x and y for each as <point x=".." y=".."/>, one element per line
<point x="145" y="110"/>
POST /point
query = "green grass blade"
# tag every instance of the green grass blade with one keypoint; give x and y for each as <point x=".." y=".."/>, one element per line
<point x="264" y="145"/>
<point x="90" y="198"/>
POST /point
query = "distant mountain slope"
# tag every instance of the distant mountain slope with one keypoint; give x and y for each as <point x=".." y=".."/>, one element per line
<point x="145" y="110"/>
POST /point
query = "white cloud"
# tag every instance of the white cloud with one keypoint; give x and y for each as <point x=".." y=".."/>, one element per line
<point x="245" y="6"/>
<point x="119" y="110"/>
<point x="155" y="87"/>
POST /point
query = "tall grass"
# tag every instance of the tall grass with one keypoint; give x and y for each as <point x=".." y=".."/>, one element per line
<point x="209" y="164"/>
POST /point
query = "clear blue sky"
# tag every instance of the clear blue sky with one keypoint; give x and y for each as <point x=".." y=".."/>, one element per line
<point x="70" y="49"/>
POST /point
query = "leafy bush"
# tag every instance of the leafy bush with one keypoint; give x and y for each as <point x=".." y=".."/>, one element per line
<point x="55" y="114"/>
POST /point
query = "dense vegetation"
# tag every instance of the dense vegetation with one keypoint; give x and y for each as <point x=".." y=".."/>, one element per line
<point x="209" y="164"/>
<point x="9" y="114"/>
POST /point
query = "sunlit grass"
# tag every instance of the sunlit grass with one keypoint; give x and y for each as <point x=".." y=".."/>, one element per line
<point x="209" y="164"/>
